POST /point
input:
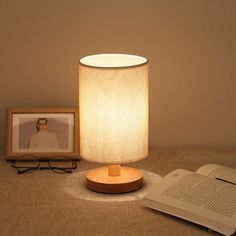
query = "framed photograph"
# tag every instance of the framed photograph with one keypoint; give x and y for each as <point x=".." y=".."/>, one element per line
<point x="42" y="133"/>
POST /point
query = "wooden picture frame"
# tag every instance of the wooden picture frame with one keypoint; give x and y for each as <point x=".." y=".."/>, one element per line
<point x="42" y="134"/>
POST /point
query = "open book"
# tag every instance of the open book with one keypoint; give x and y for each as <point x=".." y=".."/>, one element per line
<point x="206" y="197"/>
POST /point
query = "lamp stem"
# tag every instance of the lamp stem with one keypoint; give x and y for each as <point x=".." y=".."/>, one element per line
<point x="114" y="170"/>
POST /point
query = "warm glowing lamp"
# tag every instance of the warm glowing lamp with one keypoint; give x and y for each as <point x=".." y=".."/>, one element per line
<point x="113" y="102"/>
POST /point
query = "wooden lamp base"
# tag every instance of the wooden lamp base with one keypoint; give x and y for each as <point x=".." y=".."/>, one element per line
<point x="114" y="179"/>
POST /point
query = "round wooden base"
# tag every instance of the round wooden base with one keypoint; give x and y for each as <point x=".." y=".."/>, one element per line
<point x="129" y="180"/>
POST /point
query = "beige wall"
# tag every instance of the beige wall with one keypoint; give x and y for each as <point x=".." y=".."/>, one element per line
<point x="191" y="45"/>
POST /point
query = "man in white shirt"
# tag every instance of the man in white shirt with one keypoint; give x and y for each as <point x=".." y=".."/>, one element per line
<point x="43" y="139"/>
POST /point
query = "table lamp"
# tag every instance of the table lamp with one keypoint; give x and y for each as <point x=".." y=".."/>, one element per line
<point x="113" y="103"/>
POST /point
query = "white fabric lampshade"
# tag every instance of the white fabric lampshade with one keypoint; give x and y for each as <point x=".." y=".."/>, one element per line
<point x="113" y="104"/>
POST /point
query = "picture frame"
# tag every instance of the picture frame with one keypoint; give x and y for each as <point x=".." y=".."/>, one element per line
<point x="42" y="134"/>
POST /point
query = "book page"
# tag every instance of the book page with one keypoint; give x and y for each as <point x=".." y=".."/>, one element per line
<point x="197" y="198"/>
<point x="218" y="172"/>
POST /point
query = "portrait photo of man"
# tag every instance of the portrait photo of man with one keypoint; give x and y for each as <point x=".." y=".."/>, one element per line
<point x="43" y="133"/>
<point x="43" y="138"/>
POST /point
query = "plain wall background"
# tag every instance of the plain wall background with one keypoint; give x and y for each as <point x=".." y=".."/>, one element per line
<point x="191" y="45"/>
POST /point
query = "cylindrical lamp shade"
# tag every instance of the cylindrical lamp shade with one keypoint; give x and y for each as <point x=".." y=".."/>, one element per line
<point x="113" y="104"/>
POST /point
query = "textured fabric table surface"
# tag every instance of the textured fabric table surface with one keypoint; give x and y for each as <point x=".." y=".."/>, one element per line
<point x="39" y="203"/>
